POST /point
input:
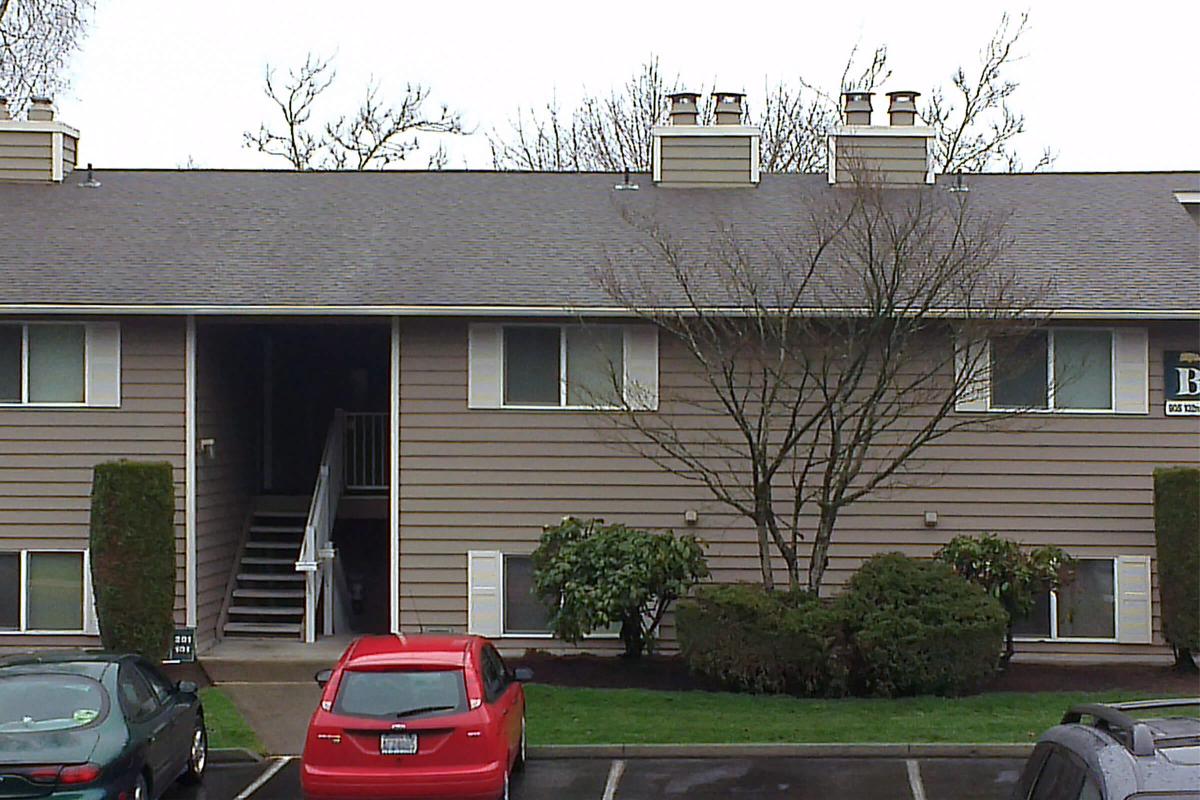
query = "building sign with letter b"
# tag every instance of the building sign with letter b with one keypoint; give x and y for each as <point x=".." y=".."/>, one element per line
<point x="1181" y="382"/>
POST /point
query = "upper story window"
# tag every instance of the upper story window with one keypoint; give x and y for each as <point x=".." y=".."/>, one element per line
<point x="570" y="366"/>
<point x="60" y="364"/>
<point x="1057" y="370"/>
<point x="1054" y="369"/>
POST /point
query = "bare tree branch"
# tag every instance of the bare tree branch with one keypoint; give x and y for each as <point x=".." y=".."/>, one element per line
<point x="376" y="136"/>
<point x="36" y="39"/>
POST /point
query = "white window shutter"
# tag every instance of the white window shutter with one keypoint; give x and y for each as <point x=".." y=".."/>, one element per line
<point x="483" y="589"/>
<point x="485" y="366"/>
<point x="1133" y="600"/>
<point x="103" y="359"/>
<point x="1131" y="371"/>
<point x="972" y="369"/>
<point x="641" y="367"/>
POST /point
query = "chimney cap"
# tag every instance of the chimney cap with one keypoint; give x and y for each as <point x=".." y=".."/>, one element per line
<point x="730" y="95"/>
<point x="683" y="95"/>
<point x="904" y="93"/>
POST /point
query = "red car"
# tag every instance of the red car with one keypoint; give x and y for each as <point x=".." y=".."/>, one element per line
<point x="416" y="717"/>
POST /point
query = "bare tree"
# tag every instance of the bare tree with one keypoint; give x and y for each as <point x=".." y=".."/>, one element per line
<point x="825" y="354"/>
<point x="36" y="39"/>
<point x="976" y="128"/>
<point x="375" y="136"/>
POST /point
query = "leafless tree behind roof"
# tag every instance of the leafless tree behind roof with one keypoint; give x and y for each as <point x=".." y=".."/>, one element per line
<point x="36" y="39"/>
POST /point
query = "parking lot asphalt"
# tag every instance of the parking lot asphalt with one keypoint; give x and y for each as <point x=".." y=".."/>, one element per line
<point x="692" y="778"/>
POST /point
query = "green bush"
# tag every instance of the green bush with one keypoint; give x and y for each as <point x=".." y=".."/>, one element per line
<point x="748" y="639"/>
<point x="1177" y="530"/>
<point x="133" y="556"/>
<point x="915" y="627"/>
<point x="595" y="575"/>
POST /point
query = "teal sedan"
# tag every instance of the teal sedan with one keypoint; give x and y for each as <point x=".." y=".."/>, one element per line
<point x="87" y="726"/>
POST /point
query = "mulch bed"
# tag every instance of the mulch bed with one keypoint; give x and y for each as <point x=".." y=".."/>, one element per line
<point x="670" y="673"/>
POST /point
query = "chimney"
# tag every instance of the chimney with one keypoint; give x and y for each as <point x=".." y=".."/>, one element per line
<point x="856" y="107"/>
<point x="894" y="155"/>
<point x="691" y="156"/>
<point x="684" y="110"/>
<point x="41" y="109"/>
<point x="5" y="114"/>
<point x="729" y="107"/>
<point x="37" y="149"/>
<point x="902" y="108"/>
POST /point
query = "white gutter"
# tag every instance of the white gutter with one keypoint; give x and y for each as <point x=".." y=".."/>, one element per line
<point x="533" y="311"/>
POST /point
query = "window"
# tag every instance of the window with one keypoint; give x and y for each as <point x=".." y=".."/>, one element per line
<point x="137" y="699"/>
<point x="393" y="693"/>
<point x="1063" y="369"/>
<point x="60" y="364"/>
<point x="536" y="358"/>
<point x="42" y="591"/>
<point x="495" y="674"/>
<point x="162" y="688"/>
<point x="1084" y="609"/>
<point x="524" y="612"/>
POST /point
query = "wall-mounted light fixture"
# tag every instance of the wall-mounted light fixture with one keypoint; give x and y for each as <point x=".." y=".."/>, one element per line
<point x="691" y="516"/>
<point x="931" y="519"/>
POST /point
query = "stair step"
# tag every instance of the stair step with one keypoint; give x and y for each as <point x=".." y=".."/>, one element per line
<point x="262" y="627"/>
<point x="266" y="576"/>
<point x="256" y="544"/>
<point x="265" y="560"/>
<point x="283" y="512"/>
<point x="277" y="529"/>
<point x="272" y="611"/>
<point x="269" y="594"/>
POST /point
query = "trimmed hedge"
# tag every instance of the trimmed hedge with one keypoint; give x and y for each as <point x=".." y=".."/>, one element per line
<point x="1177" y="531"/>
<point x="750" y="640"/>
<point x="133" y="556"/>
<point x="915" y="627"/>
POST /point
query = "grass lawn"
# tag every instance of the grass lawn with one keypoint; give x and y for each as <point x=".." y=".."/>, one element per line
<point x="560" y="715"/>
<point x="226" y="727"/>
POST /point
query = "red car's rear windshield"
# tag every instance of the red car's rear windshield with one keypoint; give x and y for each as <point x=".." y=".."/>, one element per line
<point x="397" y="694"/>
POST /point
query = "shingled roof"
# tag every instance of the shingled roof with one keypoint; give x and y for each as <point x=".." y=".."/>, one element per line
<point x="458" y="242"/>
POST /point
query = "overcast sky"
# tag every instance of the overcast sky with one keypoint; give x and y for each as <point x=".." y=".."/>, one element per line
<point x="1108" y="86"/>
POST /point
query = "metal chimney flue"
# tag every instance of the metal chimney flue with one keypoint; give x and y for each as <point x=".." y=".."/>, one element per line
<point x="729" y="106"/>
<point x="902" y="108"/>
<point x="684" y="108"/>
<point x="41" y="109"/>
<point x="856" y="107"/>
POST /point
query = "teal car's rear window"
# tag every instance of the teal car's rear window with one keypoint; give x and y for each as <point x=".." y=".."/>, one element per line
<point x="35" y="703"/>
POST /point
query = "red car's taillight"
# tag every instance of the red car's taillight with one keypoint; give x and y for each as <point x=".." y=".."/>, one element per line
<point x="72" y="775"/>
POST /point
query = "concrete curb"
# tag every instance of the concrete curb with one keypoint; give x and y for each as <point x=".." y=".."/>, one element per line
<point x="866" y="750"/>
<point x="233" y="755"/>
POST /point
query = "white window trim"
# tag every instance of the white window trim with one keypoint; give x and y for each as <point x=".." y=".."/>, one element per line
<point x="562" y="369"/>
<point x="90" y="626"/>
<point x="24" y="402"/>
<point x="1051" y="409"/>
<point x="1054" y="637"/>
<point x="506" y="634"/>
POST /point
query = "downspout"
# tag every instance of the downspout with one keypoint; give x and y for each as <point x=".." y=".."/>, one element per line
<point x="189" y="479"/>
<point x="394" y="480"/>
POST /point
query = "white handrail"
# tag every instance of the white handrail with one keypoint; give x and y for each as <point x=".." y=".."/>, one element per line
<point x="316" y="554"/>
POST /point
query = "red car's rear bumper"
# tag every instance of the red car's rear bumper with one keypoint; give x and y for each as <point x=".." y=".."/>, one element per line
<point x="484" y="782"/>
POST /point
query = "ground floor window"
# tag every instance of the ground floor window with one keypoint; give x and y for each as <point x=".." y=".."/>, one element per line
<point x="524" y="611"/>
<point x="1084" y="609"/>
<point x="43" y="591"/>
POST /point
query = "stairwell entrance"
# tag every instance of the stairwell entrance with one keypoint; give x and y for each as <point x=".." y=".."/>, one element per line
<point x="292" y="477"/>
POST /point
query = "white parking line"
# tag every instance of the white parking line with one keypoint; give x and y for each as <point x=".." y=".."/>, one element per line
<point x="914" y="780"/>
<point x="614" y="777"/>
<point x="279" y="763"/>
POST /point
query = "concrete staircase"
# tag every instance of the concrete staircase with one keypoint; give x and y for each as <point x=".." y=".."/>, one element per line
<point x="268" y="592"/>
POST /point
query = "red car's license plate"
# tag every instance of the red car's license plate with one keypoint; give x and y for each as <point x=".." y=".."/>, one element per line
<point x="398" y="744"/>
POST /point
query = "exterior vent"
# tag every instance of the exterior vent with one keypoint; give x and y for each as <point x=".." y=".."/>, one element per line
<point x="692" y="156"/>
<point x="895" y="155"/>
<point x="38" y="149"/>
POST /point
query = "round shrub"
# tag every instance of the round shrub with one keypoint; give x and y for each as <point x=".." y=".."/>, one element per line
<point x="133" y="556"/>
<point x="915" y="627"/>
<point x="748" y="639"/>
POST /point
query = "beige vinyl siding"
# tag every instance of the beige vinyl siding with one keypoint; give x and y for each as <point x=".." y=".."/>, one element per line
<point x="47" y="455"/>
<point x="689" y="161"/>
<point x="890" y="159"/>
<point x="70" y="150"/>
<point x="490" y="479"/>
<point x="227" y="411"/>
<point x="25" y="155"/>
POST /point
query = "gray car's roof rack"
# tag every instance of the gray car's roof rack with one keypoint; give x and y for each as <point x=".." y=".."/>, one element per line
<point x="1139" y="738"/>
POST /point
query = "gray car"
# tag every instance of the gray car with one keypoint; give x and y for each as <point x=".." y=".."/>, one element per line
<point x="1113" y="756"/>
